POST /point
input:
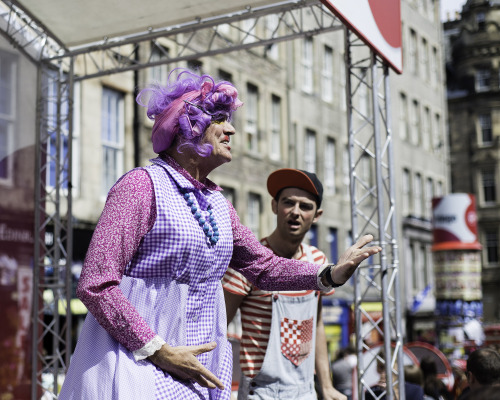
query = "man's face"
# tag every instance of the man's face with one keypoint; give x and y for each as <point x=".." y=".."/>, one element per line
<point x="218" y="135"/>
<point x="296" y="211"/>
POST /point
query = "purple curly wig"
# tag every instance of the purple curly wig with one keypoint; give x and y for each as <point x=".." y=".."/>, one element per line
<point x="186" y="107"/>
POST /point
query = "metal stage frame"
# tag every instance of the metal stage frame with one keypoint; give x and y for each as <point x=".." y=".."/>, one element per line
<point x="372" y="197"/>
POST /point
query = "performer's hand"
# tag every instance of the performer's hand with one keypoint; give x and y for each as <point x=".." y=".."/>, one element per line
<point x="181" y="363"/>
<point x="352" y="257"/>
<point x="333" y="394"/>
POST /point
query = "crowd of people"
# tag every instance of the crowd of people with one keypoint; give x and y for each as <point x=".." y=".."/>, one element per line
<point x="476" y="379"/>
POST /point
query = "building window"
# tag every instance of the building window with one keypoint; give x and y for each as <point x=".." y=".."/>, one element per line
<point x="481" y="20"/>
<point x="275" y="148"/>
<point x="429" y="194"/>
<point x="8" y="86"/>
<point x="271" y="23"/>
<point x="334" y="244"/>
<point x="75" y="150"/>
<point x="159" y="54"/>
<point x="346" y="175"/>
<point x="403" y="116"/>
<point x="426" y="129"/>
<point x="366" y="170"/>
<point x="414" y="267"/>
<point x="424" y="60"/>
<point x="435" y="65"/>
<point x="327" y="75"/>
<point x="439" y="189"/>
<point x="491" y="239"/>
<point x="406" y="189"/>
<point x="253" y="213"/>
<point x="312" y="236"/>
<point x="489" y="189"/>
<point x="415" y="123"/>
<point x="307" y="65"/>
<point x="58" y="131"/>
<point x="363" y="100"/>
<point x="229" y="194"/>
<point x="224" y="75"/>
<point x="249" y="30"/>
<point x="310" y="151"/>
<point x="330" y="161"/>
<point x="483" y="77"/>
<point x="417" y="195"/>
<point x="413" y="57"/>
<point x="432" y="10"/>
<point x="112" y="134"/>
<point x="252" y="118"/>
<point x="437" y="136"/>
<point x="224" y="29"/>
<point x="486" y="131"/>
<point x="342" y="83"/>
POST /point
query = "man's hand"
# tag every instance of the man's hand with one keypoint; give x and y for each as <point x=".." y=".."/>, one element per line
<point x="352" y="257"/>
<point x="332" y="394"/>
<point x="181" y="363"/>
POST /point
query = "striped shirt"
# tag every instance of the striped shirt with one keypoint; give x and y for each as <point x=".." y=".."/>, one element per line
<point x="256" y="312"/>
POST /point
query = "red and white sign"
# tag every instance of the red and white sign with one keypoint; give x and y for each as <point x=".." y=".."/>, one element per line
<point x="377" y="23"/>
<point x="454" y="222"/>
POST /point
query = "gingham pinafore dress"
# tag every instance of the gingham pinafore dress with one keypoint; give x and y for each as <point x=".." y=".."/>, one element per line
<point x="174" y="282"/>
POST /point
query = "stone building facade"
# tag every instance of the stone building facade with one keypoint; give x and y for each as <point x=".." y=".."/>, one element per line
<point x="473" y="83"/>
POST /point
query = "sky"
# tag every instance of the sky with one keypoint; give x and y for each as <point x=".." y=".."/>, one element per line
<point x="450" y="6"/>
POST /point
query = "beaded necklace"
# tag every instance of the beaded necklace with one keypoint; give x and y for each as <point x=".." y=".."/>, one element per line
<point x="211" y="234"/>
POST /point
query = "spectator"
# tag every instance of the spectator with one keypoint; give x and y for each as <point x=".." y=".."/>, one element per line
<point x="342" y="369"/>
<point x="413" y="391"/>
<point x="433" y="386"/>
<point x="490" y="392"/>
<point x="483" y="370"/>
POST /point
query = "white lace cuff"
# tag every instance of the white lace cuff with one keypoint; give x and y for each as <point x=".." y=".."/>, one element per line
<point x="149" y="348"/>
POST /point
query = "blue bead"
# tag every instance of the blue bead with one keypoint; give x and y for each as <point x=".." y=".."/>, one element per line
<point x="206" y="228"/>
<point x="186" y="195"/>
<point x="197" y="215"/>
<point x="202" y="221"/>
<point x="190" y="202"/>
<point x="193" y="208"/>
<point x="215" y="227"/>
<point x="209" y="234"/>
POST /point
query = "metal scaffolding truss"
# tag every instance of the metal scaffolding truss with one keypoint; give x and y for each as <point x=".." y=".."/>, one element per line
<point x="194" y="39"/>
<point x="373" y="211"/>
<point x="52" y="258"/>
<point x="370" y="144"/>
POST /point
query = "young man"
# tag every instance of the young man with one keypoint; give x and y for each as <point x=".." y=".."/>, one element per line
<point x="483" y="370"/>
<point x="283" y="339"/>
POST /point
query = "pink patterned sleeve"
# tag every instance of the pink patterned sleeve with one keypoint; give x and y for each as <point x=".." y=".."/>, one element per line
<point x="263" y="268"/>
<point x="129" y="213"/>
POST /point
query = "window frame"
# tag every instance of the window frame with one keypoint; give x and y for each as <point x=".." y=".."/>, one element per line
<point x="115" y="147"/>
<point x="9" y="119"/>
<point x="252" y="118"/>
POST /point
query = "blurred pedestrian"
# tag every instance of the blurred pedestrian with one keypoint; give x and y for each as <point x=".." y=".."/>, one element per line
<point x="433" y="385"/>
<point x="342" y="369"/>
<point x="483" y="369"/>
